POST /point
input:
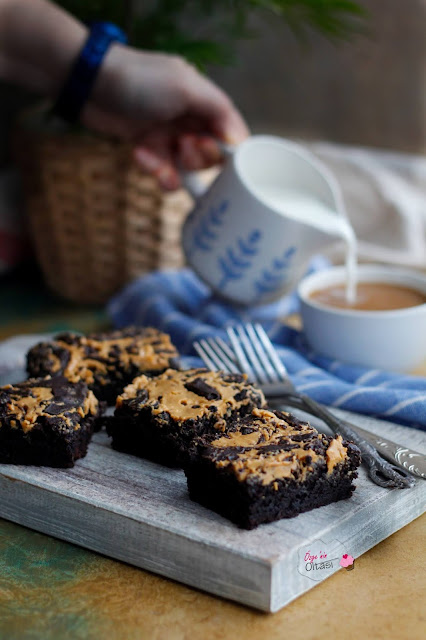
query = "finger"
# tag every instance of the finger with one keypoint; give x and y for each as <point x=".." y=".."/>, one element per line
<point x="210" y="150"/>
<point x="221" y="116"/>
<point x="154" y="151"/>
<point x="189" y="155"/>
<point x="156" y="166"/>
<point x="197" y="152"/>
<point x="229" y="125"/>
<point x="159" y="141"/>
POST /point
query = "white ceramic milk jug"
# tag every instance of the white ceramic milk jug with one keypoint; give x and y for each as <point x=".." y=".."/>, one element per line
<point x="254" y="229"/>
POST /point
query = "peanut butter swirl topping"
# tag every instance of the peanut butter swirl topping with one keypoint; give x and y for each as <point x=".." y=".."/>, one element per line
<point x="192" y="394"/>
<point x="21" y="405"/>
<point x="267" y="446"/>
<point x="86" y="357"/>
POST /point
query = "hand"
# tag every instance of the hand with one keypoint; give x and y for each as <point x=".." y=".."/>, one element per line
<point x="169" y="110"/>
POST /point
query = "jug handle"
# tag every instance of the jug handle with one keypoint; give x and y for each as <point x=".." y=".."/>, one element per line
<point x="191" y="180"/>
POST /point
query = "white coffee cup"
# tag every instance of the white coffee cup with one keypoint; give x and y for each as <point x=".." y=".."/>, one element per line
<point x="392" y="340"/>
<point x="253" y="231"/>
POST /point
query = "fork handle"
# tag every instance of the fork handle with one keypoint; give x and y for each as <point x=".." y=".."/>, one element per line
<point x="409" y="459"/>
<point x="380" y="471"/>
<point x="403" y="457"/>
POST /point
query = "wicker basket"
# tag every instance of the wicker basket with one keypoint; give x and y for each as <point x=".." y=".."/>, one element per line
<point x="96" y="220"/>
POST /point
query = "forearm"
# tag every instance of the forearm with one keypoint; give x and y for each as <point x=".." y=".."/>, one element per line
<point x="38" y="43"/>
<point x="160" y="102"/>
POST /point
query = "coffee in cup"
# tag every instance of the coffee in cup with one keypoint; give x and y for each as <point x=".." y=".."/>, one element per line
<point x="393" y="339"/>
<point x="370" y="296"/>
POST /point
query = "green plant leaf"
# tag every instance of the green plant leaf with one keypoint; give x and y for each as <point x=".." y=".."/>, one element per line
<point x="206" y="31"/>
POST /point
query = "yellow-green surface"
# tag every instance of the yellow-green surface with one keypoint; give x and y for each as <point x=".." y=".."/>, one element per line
<point x="51" y="590"/>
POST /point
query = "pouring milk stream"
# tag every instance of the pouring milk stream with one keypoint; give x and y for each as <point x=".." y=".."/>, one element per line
<point x="307" y="209"/>
<point x="253" y="231"/>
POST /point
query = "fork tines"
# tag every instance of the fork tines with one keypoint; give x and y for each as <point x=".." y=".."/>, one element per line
<point x="256" y="354"/>
<point x="216" y="354"/>
<point x="251" y="352"/>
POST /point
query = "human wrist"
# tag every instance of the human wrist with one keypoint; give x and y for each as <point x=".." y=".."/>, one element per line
<point x="110" y="75"/>
<point x="81" y="78"/>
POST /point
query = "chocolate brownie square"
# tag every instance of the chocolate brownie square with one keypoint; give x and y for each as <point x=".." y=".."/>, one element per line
<point x="46" y="422"/>
<point x="160" y="418"/>
<point x="271" y="466"/>
<point x="106" y="362"/>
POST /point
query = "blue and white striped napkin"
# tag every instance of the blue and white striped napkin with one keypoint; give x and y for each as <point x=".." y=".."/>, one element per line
<point x="178" y="303"/>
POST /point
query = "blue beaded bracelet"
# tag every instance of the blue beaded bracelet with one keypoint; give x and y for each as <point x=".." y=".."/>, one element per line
<point x="80" y="81"/>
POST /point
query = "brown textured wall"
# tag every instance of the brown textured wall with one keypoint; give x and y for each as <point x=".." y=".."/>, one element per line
<point x="371" y="91"/>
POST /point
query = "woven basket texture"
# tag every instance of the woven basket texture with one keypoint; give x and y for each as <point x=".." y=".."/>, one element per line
<point x="96" y="220"/>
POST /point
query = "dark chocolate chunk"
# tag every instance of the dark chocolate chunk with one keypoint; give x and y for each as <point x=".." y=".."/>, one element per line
<point x="55" y="408"/>
<point x="142" y="395"/>
<point x="201" y="388"/>
<point x="301" y="437"/>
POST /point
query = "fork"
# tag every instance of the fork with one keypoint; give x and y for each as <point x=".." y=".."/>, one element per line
<point x="252" y="352"/>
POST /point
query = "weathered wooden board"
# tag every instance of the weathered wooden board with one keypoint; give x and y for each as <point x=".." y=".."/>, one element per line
<point x="140" y="512"/>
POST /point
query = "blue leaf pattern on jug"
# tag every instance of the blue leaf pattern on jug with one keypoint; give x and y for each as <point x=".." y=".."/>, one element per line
<point x="276" y="275"/>
<point x="206" y="232"/>
<point x="238" y="258"/>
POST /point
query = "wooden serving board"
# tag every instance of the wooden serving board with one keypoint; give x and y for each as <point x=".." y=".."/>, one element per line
<point x="139" y="512"/>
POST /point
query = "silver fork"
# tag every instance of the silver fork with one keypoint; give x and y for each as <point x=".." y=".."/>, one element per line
<point x="252" y="352"/>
